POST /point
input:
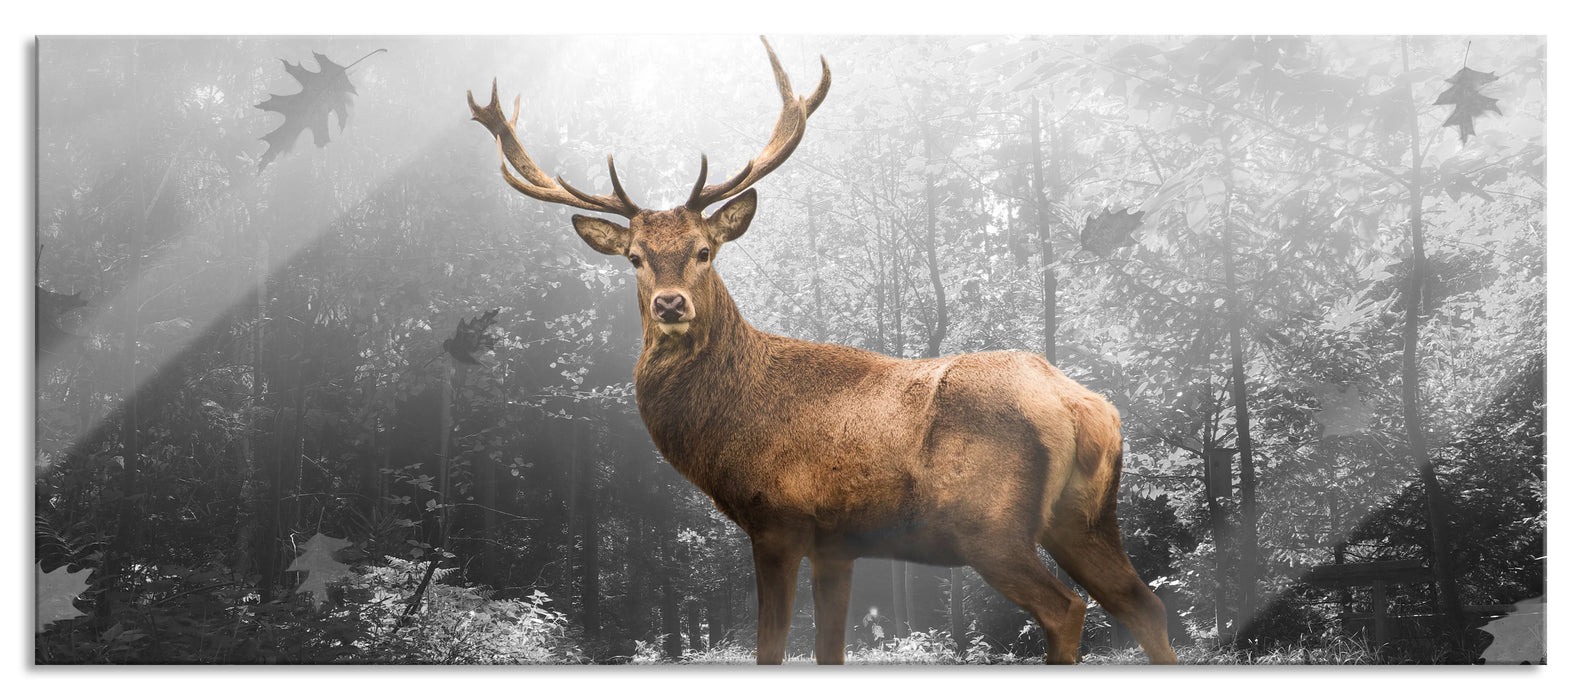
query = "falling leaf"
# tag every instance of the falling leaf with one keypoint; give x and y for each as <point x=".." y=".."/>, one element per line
<point x="56" y="590"/>
<point x="1469" y="103"/>
<point x="53" y="305"/>
<point x="471" y="338"/>
<point x="321" y="566"/>
<point x="1110" y="229"/>
<point x="1519" y="636"/>
<point x="1344" y="411"/>
<point x="327" y="91"/>
<point x="48" y="310"/>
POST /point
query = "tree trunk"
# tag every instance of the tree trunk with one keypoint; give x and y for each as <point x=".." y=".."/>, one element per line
<point x="131" y="464"/>
<point x="1046" y="243"/>
<point x="909" y="580"/>
<point x="122" y="543"/>
<point x="936" y="339"/>
<point x="250" y="554"/>
<point x="936" y="336"/>
<point x="820" y="333"/>
<point x="896" y="285"/>
<point x="299" y="400"/>
<point x="570" y="485"/>
<point x="718" y="602"/>
<point x="958" y="619"/>
<point x="283" y="216"/>
<point x="1250" y="566"/>
<point x="270" y="535"/>
<point x="639" y="559"/>
<point x="453" y="373"/>
<point x="1046" y="250"/>
<point x="727" y="604"/>
<point x="881" y="291"/>
<point x="1216" y="515"/>
<point x="588" y="536"/>
<point x="486" y="478"/>
<point x="670" y="600"/>
<point x="694" y="626"/>
<point x="1449" y="597"/>
<point x="898" y="598"/>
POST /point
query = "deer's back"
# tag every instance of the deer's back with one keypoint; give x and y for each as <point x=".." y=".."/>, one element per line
<point x="890" y="457"/>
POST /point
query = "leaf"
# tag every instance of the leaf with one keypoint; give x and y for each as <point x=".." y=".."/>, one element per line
<point x="321" y="566"/>
<point x="1519" y="636"/>
<point x="1110" y="229"/>
<point x="55" y="591"/>
<point x="471" y="338"/>
<point x="327" y="91"/>
<point x="52" y="305"/>
<point x="48" y="309"/>
<point x="1469" y="103"/>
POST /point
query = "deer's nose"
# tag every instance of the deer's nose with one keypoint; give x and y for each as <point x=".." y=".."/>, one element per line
<point x="669" y="308"/>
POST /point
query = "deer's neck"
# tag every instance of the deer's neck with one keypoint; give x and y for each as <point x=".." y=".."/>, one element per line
<point x="690" y="388"/>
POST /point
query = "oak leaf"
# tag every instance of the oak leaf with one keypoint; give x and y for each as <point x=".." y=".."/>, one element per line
<point x="1469" y="103"/>
<point x="325" y="92"/>
<point x="318" y="561"/>
<point x="1110" y="229"/>
<point x="471" y="338"/>
<point x="49" y="309"/>
<point x="55" y="591"/>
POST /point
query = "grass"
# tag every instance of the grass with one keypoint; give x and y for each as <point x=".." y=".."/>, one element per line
<point x="1341" y="651"/>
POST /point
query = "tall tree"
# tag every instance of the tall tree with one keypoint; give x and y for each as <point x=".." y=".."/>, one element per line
<point x="1438" y="522"/>
<point x="1250" y="565"/>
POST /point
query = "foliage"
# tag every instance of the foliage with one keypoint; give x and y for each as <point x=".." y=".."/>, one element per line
<point x="1332" y="650"/>
<point x="256" y="360"/>
<point x="457" y="625"/>
<point x="208" y="616"/>
<point x="930" y="647"/>
<point x="200" y="615"/>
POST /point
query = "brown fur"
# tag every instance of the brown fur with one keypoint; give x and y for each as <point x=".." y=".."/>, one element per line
<point x="833" y="453"/>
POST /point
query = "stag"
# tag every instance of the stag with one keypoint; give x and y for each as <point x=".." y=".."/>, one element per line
<point x="831" y="453"/>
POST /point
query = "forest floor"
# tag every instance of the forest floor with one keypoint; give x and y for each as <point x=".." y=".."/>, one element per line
<point x="1345" y="653"/>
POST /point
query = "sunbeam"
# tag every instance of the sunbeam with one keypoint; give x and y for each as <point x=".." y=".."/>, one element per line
<point x="897" y="319"/>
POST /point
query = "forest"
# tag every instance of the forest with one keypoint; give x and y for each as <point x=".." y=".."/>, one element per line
<point x="350" y="399"/>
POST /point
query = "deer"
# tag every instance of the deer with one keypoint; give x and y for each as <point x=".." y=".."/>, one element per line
<point x="831" y="453"/>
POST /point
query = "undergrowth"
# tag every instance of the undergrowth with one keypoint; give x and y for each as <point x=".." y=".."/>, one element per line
<point x="934" y="648"/>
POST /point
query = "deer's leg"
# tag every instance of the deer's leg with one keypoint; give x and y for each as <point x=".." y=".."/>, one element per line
<point x="831" y="594"/>
<point x="775" y="564"/>
<point x="1022" y="578"/>
<point x="1096" y="559"/>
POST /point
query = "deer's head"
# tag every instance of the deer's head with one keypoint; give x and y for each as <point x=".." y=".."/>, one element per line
<point x="671" y="251"/>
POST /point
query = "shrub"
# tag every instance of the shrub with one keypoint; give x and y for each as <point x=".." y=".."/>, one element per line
<point x="208" y="616"/>
<point x="455" y="625"/>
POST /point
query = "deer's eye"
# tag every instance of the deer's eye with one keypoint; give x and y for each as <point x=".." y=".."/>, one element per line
<point x="637" y="260"/>
<point x="703" y="255"/>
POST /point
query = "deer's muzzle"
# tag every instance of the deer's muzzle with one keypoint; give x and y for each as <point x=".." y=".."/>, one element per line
<point x="672" y="307"/>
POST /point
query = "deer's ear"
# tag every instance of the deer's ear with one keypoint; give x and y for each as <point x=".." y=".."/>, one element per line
<point x="731" y="221"/>
<point x="606" y="237"/>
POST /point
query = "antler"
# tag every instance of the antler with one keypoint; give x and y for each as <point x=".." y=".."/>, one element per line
<point x="794" y="113"/>
<point x="539" y="185"/>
